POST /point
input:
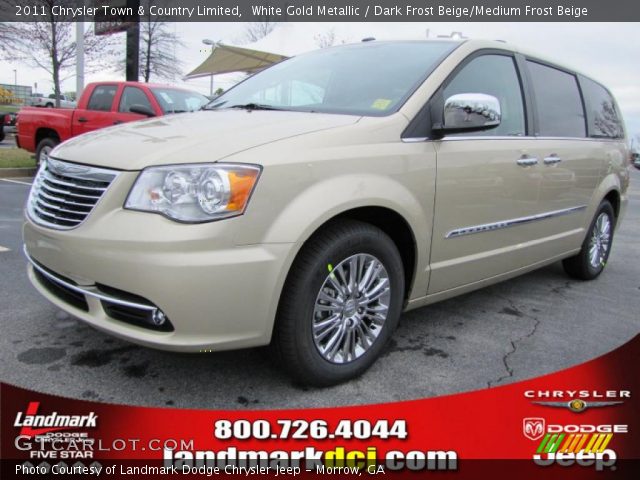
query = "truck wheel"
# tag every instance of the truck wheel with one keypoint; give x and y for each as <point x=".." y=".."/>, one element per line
<point x="591" y="260"/>
<point x="49" y="105"/>
<point x="340" y="304"/>
<point x="44" y="148"/>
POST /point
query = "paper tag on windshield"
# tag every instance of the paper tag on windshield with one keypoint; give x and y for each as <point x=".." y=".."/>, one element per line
<point x="381" y="104"/>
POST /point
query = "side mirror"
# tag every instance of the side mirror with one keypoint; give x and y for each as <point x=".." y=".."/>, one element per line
<point x="142" y="110"/>
<point x="467" y="112"/>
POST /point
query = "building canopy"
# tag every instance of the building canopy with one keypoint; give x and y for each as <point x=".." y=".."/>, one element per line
<point x="229" y="59"/>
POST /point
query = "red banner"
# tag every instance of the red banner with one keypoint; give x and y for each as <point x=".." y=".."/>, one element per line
<point x="581" y="422"/>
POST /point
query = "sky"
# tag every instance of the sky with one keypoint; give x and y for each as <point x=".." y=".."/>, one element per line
<point x="608" y="52"/>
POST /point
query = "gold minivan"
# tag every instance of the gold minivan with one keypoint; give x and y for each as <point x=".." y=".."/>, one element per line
<point x="311" y="204"/>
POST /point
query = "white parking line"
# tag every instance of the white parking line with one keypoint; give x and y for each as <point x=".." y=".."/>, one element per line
<point x="14" y="181"/>
<point x="4" y="249"/>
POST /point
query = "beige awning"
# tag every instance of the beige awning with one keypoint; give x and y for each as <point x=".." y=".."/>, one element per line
<point x="228" y="59"/>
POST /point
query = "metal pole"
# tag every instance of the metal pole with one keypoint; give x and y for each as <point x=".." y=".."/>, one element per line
<point x="211" y="86"/>
<point x="133" y="44"/>
<point x="79" y="58"/>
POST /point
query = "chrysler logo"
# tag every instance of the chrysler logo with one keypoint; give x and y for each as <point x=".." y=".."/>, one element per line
<point x="533" y="428"/>
<point x="577" y="405"/>
<point x="62" y="167"/>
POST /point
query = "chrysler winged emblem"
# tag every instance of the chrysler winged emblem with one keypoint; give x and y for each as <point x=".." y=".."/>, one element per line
<point x="63" y="167"/>
<point x="533" y="427"/>
<point x="577" y="405"/>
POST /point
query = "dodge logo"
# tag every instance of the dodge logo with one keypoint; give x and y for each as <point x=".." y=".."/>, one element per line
<point x="533" y="428"/>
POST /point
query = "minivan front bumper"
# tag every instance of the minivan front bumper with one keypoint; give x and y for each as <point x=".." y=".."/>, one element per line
<point x="214" y="297"/>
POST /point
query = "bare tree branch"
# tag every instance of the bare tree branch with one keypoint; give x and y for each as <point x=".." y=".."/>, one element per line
<point x="258" y="30"/>
<point x="50" y="44"/>
<point x="158" y="45"/>
<point x="326" y="39"/>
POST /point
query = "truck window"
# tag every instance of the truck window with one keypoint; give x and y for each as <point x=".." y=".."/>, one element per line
<point x="494" y="75"/>
<point x="133" y="96"/>
<point x="558" y="102"/>
<point x="603" y="118"/>
<point x="102" y="98"/>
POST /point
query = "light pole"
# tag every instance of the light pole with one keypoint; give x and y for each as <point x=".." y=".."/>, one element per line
<point x="15" y="77"/>
<point x="206" y="41"/>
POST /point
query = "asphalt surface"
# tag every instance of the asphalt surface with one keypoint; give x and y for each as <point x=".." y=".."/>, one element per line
<point x="9" y="140"/>
<point x="535" y="324"/>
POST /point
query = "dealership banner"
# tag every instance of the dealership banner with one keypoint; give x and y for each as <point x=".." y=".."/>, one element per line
<point x="582" y="422"/>
<point x="322" y="10"/>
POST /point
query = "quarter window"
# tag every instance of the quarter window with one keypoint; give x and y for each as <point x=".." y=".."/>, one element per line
<point x="494" y="75"/>
<point x="133" y="96"/>
<point x="102" y="98"/>
<point x="558" y="102"/>
<point x="602" y="113"/>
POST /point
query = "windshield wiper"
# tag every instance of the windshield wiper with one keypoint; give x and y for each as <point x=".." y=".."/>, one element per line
<point x="254" y="106"/>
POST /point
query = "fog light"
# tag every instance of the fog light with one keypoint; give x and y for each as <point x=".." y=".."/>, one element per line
<point x="158" y="317"/>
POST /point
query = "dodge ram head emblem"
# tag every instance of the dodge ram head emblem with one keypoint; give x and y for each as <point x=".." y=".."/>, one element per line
<point x="533" y="428"/>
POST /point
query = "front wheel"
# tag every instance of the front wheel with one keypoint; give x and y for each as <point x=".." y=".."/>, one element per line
<point x="340" y="304"/>
<point x="592" y="258"/>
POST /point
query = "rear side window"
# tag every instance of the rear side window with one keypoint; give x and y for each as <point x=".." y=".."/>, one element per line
<point x="603" y="118"/>
<point x="102" y="98"/>
<point x="133" y="96"/>
<point x="494" y="75"/>
<point x="558" y="102"/>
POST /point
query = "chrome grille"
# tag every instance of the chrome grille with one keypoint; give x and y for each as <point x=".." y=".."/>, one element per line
<point x="64" y="194"/>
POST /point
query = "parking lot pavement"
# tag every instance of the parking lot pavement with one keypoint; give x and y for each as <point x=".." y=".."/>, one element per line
<point x="8" y="142"/>
<point x="535" y="324"/>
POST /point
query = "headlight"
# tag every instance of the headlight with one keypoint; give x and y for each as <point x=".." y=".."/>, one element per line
<point x="194" y="192"/>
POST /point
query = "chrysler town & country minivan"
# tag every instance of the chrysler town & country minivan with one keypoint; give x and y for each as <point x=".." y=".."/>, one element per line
<point x="311" y="204"/>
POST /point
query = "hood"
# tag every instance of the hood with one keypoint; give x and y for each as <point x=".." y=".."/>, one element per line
<point x="204" y="136"/>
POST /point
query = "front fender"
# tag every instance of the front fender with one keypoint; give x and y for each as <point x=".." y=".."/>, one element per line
<point x="314" y="206"/>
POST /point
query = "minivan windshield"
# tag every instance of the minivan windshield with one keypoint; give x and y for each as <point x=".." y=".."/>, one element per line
<point x="372" y="79"/>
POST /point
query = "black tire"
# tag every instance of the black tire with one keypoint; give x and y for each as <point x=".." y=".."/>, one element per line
<point x="49" y="105"/>
<point x="45" y="143"/>
<point x="580" y="266"/>
<point x="293" y="342"/>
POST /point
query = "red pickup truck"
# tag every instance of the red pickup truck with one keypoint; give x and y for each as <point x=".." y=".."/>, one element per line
<point x="101" y="105"/>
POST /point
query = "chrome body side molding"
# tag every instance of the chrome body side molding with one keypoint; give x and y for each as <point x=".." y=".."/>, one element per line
<point x="487" y="227"/>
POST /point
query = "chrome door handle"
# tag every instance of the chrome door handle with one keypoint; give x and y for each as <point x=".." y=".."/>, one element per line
<point x="552" y="159"/>
<point x="527" y="161"/>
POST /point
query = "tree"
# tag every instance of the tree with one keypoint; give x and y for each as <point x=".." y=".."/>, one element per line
<point x="6" y="33"/>
<point x="258" y="30"/>
<point x="157" y="51"/>
<point x="49" y="44"/>
<point x="326" y="39"/>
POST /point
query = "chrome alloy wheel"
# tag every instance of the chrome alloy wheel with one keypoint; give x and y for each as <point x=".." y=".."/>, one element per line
<point x="600" y="239"/>
<point x="351" y="308"/>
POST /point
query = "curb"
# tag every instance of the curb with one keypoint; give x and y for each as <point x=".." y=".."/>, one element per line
<point x="17" y="172"/>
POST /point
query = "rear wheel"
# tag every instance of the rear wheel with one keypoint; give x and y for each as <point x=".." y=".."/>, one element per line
<point x="44" y="149"/>
<point x="340" y="304"/>
<point x="593" y="256"/>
